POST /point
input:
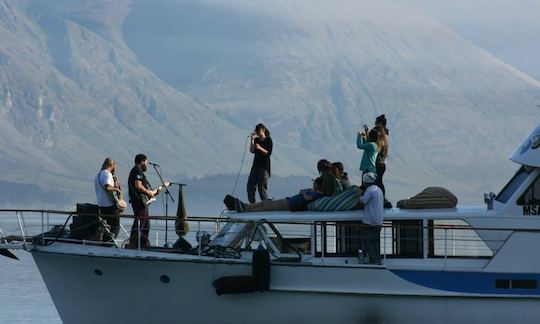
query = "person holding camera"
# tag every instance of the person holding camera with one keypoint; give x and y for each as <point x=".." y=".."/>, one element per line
<point x="367" y="140"/>
<point x="261" y="147"/>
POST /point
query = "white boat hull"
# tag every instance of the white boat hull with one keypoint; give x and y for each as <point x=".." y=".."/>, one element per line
<point x="130" y="290"/>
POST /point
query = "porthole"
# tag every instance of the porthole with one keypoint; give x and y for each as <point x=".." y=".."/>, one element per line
<point x="165" y="279"/>
<point x="98" y="272"/>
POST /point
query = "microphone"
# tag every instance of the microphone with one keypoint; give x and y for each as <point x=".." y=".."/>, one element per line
<point x="154" y="164"/>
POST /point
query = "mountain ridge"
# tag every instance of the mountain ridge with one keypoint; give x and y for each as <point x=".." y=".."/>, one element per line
<point x="84" y="80"/>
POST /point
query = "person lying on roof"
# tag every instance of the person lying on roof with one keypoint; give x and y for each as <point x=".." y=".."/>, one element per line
<point x="324" y="185"/>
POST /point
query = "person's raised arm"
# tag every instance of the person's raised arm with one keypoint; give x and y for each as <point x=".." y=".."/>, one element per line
<point x="252" y="145"/>
<point x="361" y="142"/>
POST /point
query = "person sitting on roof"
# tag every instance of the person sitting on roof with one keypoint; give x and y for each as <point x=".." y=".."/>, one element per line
<point x="324" y="185"/>
<point x="341" y="175"/>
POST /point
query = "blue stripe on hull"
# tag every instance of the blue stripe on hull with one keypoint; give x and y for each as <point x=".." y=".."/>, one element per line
<point x="469" y="282"/>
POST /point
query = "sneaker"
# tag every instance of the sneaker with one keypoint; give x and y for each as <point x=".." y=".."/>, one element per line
<point x="229" y="201"/>
<point x="239" y="205"/>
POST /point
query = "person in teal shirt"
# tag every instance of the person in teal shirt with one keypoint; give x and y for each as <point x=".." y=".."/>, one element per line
<point x="368" y="142"/>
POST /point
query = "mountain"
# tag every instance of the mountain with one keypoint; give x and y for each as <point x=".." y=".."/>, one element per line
<point x="186" y="81"/>
<point x="73" y="93"/>
<point x="506" y="29"/>
<point x="316" y="71"/>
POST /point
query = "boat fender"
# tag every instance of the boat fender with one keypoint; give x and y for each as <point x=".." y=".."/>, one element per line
<point x="234" y="285"/>
<point x="261" y="269"/>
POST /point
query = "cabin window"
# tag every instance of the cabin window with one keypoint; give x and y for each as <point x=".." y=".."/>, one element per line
<point x="532" y="194"/>
<point x="407" y="238"/>
<point x="289" y="238"/>
<point x="513" y="184"/>
<point x="455" y="238"/>
<point x="403" y="238"/>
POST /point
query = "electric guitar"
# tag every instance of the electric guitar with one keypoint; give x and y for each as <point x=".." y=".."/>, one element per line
<point x="147" y="200"/>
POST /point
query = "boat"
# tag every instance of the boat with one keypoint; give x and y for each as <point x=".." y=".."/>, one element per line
<point x="468" y="264"/>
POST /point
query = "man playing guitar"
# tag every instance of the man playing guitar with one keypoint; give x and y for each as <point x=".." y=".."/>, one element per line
<point x="141" y="195"/>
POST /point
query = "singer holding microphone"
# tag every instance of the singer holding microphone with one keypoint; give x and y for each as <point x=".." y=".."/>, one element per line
<point x="140" y="197"/>
<point x="261" y="146"/>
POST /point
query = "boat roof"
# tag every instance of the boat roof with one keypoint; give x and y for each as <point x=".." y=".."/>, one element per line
<point x="356" y="215"/>
<point x="528" y="152"/>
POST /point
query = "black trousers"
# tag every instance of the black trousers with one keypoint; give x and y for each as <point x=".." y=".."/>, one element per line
<point x="108" y="214"/>
<point x="258" y="180"/>
<point x="371" y="242"/>
<point x="141" y="224"/>
<point x="381" y="168"/>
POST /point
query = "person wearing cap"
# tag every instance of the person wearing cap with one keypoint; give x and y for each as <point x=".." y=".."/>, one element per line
<point x="373" y="217"/>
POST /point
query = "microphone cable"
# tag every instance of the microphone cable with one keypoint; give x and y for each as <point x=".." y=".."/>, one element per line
<point x="241" y="165"/>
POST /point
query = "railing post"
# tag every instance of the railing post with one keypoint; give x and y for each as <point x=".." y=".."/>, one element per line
<point x="313" y="239"/>
<point x="19" y="216"/>
<point x="42" y="229"/>
<point x="200" y="238"/>
<point x="445" y="245"/>
<point x="323" y="241"/>
<point x="139" y="222"/>
<point x="384" y="243"/>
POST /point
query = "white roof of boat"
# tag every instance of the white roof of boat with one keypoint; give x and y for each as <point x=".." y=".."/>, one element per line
<point x="356" y="215"/>
<point x="529" y="151"/>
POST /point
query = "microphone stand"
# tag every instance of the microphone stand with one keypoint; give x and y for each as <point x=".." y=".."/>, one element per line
<point x="167" y="195"/>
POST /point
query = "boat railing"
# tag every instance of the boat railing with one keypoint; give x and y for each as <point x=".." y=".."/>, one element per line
<point x="22" y="228"/>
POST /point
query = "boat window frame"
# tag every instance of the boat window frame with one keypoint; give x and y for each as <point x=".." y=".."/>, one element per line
<point x="431" y="227"/>
<point x="521" y="199"/>
<point x="514" y="183"/>
<point x="394" y="243"/>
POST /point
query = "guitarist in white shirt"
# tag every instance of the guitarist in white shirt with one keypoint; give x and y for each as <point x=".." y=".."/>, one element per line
<point x="141" y="195"/>
<point x="105" y="187"/>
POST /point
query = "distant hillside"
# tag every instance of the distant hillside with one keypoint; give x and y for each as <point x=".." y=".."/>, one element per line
<point x="507" y="29"/>
<point x="185" y="81"/>
<point x="315" y="71"/>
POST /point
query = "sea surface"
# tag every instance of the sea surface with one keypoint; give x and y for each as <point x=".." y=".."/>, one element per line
<point x="23" y="295"/>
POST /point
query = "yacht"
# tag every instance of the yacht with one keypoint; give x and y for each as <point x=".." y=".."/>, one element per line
<point x="447" y="265"/>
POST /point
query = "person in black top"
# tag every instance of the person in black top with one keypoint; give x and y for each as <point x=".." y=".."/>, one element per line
<point x="261" y="146"/>
<point x="140" y="192"/>
<point x="380" y="163"/>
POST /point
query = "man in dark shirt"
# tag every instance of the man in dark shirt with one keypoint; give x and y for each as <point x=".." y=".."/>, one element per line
<point x="261" y="146"/>
<point x="140" y="192"/>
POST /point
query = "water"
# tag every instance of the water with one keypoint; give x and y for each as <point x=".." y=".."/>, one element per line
<point x="23" y="295"/>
